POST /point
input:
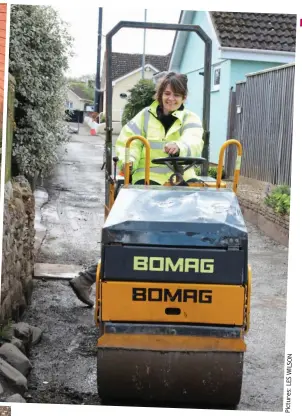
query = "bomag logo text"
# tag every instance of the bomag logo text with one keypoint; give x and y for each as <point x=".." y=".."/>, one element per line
<point x="166" y="264"/>
<point x="165" y="295"/>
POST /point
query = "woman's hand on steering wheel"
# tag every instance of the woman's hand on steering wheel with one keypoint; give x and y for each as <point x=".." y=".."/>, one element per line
<point x="171" y="149"/>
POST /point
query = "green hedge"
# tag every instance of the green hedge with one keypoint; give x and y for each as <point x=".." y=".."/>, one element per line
<point x="279" y="200"/>
<point x="212" y="171"/>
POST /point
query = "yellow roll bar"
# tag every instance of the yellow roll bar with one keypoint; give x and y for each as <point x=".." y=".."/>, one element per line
<point x="147" y="162"/>
<point x="237" y="165"/>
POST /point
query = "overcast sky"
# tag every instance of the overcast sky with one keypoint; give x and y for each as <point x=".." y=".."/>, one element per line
<point x="83" y="21"/>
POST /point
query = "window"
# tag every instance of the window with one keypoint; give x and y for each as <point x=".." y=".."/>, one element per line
<point x="216" y="81"/>
<point x="69" y="105"/>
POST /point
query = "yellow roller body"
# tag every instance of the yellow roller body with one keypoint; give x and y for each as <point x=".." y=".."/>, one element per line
<point x="190" y="303"/>
<point x="173" y="293"/>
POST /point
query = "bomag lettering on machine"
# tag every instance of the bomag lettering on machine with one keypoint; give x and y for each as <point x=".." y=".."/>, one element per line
<point x="172" y="295"/>
<point x="166" y="264"/>
<point x="166" y="295"/>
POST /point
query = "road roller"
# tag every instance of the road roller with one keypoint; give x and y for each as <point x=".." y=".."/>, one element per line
<point x="173" y="284"/>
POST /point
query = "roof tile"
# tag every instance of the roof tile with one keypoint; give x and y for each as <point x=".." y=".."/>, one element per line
<point x="267" y="31"/>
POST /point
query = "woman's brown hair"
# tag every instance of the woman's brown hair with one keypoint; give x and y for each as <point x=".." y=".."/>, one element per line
<point x="178" y="83"/>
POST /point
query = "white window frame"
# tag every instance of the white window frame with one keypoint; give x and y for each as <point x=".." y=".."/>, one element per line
<point x="69" y="105"/>
<point x="216" y="87"/>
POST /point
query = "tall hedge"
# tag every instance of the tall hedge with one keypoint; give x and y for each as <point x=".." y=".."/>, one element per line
<point x="40" y="46"/>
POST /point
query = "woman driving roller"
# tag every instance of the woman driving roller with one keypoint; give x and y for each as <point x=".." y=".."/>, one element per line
<point x="170" y="129"/>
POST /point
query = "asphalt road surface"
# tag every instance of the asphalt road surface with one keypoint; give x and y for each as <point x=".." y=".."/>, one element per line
<point x="64" y="362"/>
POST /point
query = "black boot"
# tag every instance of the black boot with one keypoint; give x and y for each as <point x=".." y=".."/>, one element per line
<point x="81" y="285"/>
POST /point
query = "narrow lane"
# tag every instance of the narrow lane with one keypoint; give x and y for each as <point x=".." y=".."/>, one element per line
<point x="65" y="360"/>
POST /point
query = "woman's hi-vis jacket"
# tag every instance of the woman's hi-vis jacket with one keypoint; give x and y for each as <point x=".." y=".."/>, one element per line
<point x="186" y="132"/>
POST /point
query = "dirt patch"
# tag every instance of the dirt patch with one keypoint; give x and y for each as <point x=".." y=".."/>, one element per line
<point x="65" y="360"/>
<point x="5" y="411"/>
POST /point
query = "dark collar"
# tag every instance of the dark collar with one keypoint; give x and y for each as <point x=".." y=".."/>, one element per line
<point x="161" y="114"/>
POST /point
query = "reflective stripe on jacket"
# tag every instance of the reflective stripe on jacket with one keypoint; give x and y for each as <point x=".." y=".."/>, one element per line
<point x="186" y="132"/>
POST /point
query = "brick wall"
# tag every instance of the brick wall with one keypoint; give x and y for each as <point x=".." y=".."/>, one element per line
<point x="3" y="10"/>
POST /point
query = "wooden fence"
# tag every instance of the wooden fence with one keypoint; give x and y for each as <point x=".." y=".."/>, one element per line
<point x="261" y="118"/>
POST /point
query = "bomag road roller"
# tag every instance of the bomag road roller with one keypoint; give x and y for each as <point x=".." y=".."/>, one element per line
<point x="173" y="285"/>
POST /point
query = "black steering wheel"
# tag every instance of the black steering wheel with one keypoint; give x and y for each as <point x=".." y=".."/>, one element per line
<point x="178" y="165"/>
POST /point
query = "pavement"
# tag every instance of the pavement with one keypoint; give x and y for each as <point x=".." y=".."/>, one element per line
<point x="64" y="362"/>
<point x="74" y="214"/>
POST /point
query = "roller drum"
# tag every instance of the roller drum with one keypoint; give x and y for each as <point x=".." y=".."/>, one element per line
<point x="179" y="377"/>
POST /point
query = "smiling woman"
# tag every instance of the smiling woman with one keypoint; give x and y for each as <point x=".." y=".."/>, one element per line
<point x="170" y="129"/>
<point x="172" y="92"/>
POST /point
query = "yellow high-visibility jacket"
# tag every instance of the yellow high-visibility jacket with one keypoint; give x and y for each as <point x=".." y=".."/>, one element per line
<point x="186" y="132"/>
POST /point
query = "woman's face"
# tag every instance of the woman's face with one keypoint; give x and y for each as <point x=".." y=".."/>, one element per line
<point x="171" y="101"/>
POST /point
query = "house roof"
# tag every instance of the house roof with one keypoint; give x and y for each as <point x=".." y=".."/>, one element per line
<point x="123" y="63"/>
<point x="80" y="92"/>
<point x="264" y="31"/>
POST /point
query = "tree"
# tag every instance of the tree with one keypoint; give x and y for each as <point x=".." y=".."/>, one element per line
<point x="85" y="88"/>
<point x="141" y="96"/>
<point x="38" y="58"/>
<point x="83" y="78"/>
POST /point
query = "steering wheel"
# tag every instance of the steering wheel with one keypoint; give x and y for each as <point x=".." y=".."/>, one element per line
<point x="176" y="164"/>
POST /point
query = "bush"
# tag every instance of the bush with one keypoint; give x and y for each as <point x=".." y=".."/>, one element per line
<point x="279" y="200"/>
<point x="141" y="96"/>
<point x="38" y="58"/>
<point x="212" y="171"/>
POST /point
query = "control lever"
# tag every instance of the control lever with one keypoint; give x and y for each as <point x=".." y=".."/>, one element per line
<point x="115" y="160"/>
<point x="177" y="168"/>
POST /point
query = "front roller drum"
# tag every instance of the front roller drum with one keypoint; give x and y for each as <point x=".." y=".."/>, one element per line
<point x="176" y="377"/>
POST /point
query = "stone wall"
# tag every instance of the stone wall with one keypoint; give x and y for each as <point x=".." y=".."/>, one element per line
<point x="272" y="224"/>
<point x="3" y="13"/>
<point x="17" y="249"/>
<point x="251" y="194"/>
